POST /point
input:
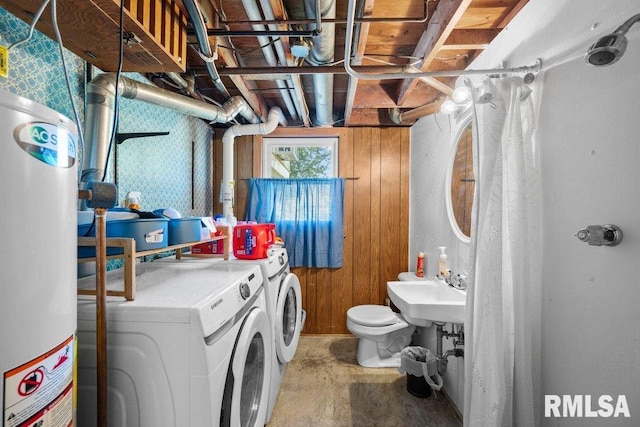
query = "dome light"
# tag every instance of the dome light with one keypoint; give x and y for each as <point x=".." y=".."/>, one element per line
<point x="448" y="107"/>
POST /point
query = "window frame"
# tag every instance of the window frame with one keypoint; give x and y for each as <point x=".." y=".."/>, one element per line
<point x="268" y="143"/>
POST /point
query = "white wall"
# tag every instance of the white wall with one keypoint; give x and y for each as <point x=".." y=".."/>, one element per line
<point x="432" y="149"/>
<point x="588" y="134"/>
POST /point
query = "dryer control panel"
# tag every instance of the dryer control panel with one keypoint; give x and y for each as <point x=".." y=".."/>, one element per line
<point x="230" y="301"/>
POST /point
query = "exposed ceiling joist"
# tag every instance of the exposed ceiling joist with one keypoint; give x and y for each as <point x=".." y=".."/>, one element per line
<point x="393" y="36"/>
<point x="441" y="24"/>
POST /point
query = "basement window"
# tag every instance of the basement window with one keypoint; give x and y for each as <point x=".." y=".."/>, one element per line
<point x="300" y="158"/>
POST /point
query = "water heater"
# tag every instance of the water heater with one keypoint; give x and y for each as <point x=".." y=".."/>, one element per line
<point x="38" y="196"/>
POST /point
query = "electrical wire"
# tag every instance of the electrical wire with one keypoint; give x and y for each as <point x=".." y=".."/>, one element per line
<point x="36" y="18"/>
<point x="76" y="116"/>
<point x="116" y="101"/>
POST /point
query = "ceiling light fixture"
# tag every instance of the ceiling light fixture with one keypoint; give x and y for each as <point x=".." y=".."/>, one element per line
<point x="461" y="94"/>
<point x="448" y="107"/>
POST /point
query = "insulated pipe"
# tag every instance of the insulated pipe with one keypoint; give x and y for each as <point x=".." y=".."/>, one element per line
<point x="100" y="114"/>
<point x="253" y="13"/>
<point x="322" y="53"/>
<point x="298" y="95"/>
<point x="275" y="116"/>
<point x="193" y="10"/>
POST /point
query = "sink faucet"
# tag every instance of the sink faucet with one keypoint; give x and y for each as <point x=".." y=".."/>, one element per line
<point x="458" y="281"/>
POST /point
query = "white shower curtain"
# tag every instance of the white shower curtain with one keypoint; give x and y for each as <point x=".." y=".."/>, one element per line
<point x="502" y="325"/>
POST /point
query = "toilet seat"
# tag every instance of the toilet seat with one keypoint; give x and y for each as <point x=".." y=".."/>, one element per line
<point x="381" y="333"/>
<point x="372" y="315"/>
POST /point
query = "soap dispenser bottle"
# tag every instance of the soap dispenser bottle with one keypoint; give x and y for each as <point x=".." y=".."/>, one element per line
<point x="443" y="270"/>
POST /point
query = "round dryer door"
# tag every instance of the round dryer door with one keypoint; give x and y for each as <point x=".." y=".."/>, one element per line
<point x="288" y="318"/>
<point x="246" y="393"/>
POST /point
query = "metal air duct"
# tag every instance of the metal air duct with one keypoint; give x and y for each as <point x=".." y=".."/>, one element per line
<point x="101" y="93"/>
<point x="322" y="53"/>
<point x="207" y="55"/>
<point x="253" y="13"/>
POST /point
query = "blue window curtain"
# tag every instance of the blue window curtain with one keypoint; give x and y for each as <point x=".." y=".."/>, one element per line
<point x="308" y="214"/>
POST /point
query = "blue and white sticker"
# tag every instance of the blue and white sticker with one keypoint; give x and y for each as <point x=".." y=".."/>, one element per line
<point x="49" y="143"/>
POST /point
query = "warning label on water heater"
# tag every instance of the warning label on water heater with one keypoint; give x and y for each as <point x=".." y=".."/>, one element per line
<point x="40" y="392"/>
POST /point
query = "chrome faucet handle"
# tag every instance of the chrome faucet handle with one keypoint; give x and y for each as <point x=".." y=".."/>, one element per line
<point x="451" y="279"/>
<point x="458" y="281"/>
<point x="462" y="282"/>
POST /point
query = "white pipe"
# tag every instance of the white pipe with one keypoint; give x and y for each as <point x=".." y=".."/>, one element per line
<point x="227" y="188"/>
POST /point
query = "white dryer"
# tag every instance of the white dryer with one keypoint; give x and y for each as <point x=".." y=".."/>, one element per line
<point x="194" y="348"/>
<point x="284" y="307"/>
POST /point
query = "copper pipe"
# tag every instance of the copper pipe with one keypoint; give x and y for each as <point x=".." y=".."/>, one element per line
<point x="101" y="315"/>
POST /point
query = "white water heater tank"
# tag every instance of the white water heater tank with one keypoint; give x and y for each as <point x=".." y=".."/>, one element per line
<point x="38" y="192"/>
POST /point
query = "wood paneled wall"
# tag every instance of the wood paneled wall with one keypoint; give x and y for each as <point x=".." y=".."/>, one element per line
<point x="376" y="218"/>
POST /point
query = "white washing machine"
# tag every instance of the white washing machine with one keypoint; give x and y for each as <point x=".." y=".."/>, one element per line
<point x="193" y="349"/>
<point x="284" y="308"/>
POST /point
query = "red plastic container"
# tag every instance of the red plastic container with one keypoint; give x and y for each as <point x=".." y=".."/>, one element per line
<point x="215" y="247"/>
<point x="251" y="241"/>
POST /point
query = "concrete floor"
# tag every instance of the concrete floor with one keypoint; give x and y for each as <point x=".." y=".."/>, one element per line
<point x="325" y="386"/>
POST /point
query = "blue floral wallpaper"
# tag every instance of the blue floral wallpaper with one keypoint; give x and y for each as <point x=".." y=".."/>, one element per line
<point x="35" y="68"/>
<point x="169" y="171"/>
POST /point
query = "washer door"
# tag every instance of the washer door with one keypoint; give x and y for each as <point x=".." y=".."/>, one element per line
<point x="288" y="318"/>
<point x="246" y="392"/>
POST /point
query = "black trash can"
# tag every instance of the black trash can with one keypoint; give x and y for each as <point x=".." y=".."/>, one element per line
<point x="418" y="363"/>
<point x="418" y="386"/>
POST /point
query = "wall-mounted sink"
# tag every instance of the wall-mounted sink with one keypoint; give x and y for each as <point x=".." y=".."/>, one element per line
<point x="425" y="301"/>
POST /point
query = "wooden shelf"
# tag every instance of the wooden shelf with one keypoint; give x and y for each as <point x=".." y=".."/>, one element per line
<point x="90" y="29"/>
<point x="130" y="254"/>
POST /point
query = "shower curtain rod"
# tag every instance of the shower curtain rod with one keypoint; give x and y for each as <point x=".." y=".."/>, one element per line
<point x="418" y="73"/>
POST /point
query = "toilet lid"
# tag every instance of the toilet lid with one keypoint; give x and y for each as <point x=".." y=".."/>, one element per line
<point x="372" y="315"/>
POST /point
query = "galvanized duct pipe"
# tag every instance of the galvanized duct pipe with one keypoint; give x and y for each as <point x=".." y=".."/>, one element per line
<point x="100" y="114"/>
<point x="180" y="81"/>
<point x="295" y="82"/>
<point x="322" y="53"/>
<point x="275" y="116"/>
<point x="193" y="10"/>
<point x="253" y="13"/>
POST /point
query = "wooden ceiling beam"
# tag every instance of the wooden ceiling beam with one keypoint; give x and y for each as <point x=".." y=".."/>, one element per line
<point x="362" y="44"/>
<point x="441" y="25"/>
<point x="246" y="88"/>
<point x="514" y="11"/>
<point x="470" y="39"/>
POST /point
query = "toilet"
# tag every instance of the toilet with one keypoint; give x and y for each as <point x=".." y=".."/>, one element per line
<point x="382" y="332"/>
<point x="382" y="335"/>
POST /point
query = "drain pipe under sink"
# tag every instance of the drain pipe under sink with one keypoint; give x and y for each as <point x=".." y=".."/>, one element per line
<point x="227" y="191"/>
<point x="441" y="357"/>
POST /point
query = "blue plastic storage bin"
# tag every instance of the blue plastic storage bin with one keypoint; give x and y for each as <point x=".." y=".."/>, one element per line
<point x="149" y="234"/>
<point x="184" y="230"/>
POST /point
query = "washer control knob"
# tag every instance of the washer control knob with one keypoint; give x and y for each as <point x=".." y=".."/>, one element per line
<point x="245" y="291"/>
